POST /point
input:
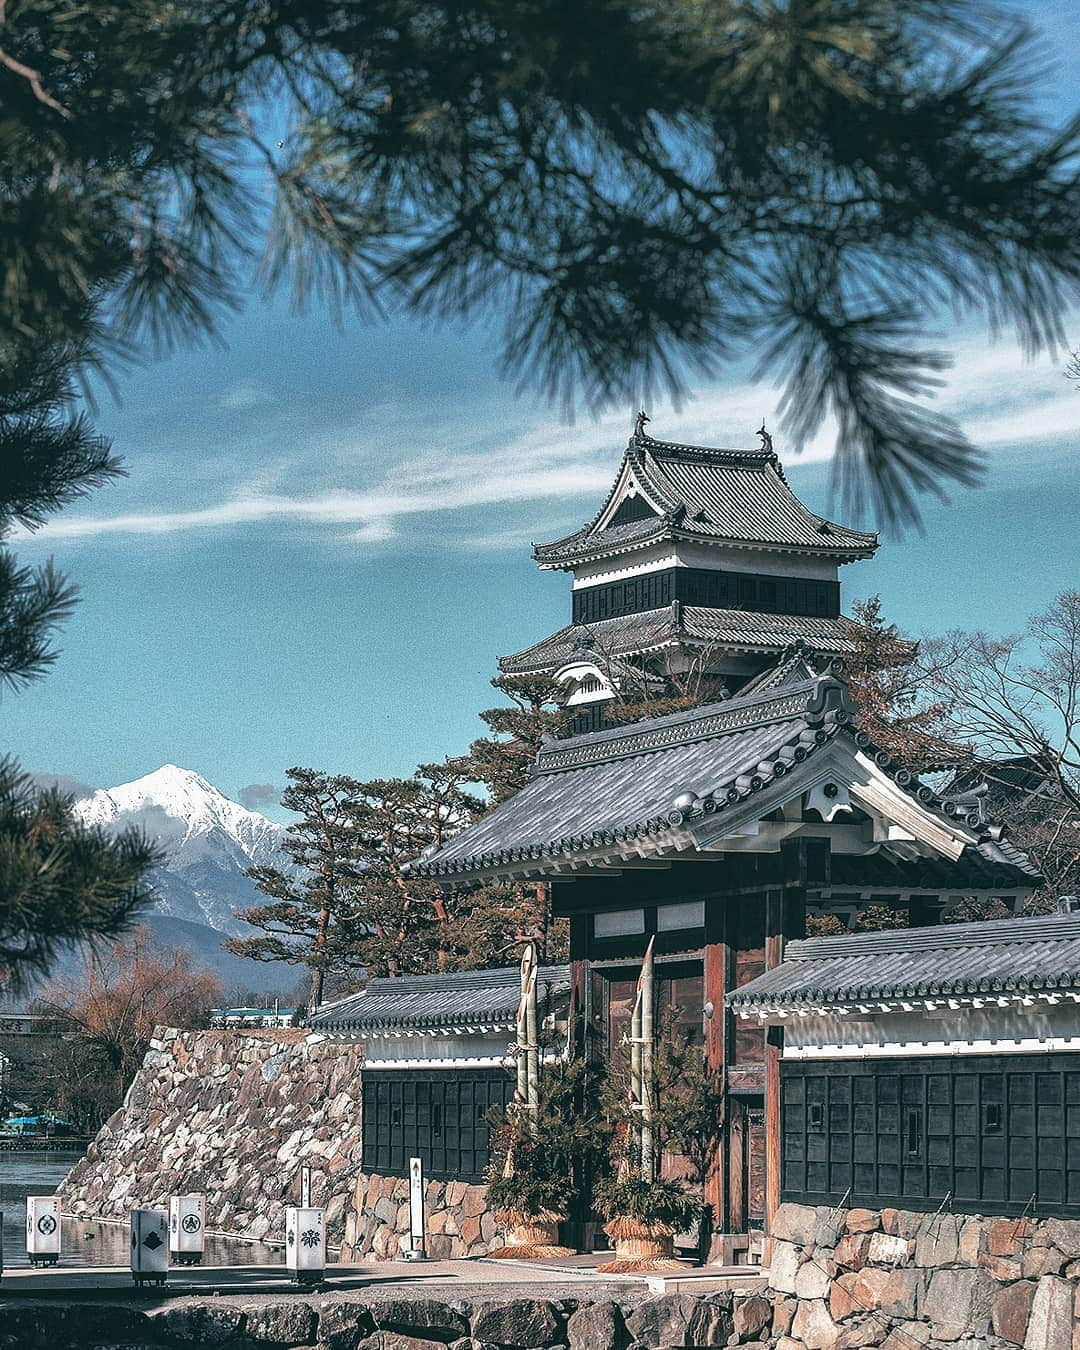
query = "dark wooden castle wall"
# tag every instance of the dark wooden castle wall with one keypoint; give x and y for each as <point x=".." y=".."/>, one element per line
<point x="711" y="588"/>
<point x="997" y="1134"/>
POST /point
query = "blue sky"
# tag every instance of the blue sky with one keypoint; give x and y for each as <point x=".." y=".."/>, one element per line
<point x="323" y="544"/>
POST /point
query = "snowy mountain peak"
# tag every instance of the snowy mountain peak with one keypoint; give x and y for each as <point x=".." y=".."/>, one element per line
<point x="186" y="797"/>
<point x="209" y="840"/>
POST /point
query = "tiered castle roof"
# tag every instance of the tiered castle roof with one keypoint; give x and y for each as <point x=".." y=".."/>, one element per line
<point x="738" y="498"/>
<point x="721" y="504"/>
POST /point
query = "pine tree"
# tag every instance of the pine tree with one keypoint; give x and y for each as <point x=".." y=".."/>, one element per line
<point x="411" y="924"/>
<point x="60" y="882"/>
<point x="501" y="762"/>
<point x="890" y="687"/>
<point x="644" y="190"/>
<point x="312" y="919"/>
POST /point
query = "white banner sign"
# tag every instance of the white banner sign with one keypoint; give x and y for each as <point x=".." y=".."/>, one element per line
<point x="416" y="1204"/>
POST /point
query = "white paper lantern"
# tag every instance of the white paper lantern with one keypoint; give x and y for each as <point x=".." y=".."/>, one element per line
<point x="149" y="1246"/>
<point x="187" y="1223"/>
<point x="305" y="1244"/>
<point x="43" y="1229"/>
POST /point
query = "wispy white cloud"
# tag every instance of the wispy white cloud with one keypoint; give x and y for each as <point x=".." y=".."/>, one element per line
<point x="245" y="394"/>
<point x="998" y="399"/>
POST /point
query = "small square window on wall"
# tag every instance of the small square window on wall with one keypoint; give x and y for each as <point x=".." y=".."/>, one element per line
<point x="619" y="923"/>
<point x="690" y="914"/>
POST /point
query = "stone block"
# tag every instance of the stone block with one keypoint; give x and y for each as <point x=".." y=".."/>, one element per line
<point x="200" y="1323"/>
<point x="1063" y="1234"/>
<point x="906" y="1336"/>
<point x="812" y="1281"/>
<point x="782" y="1315"/>
<point x="710" y="1322"/>
<point x="519" y="1323"/>
<point x="1038" y="1261"/>
<point x="455" y="1192"/>
<point x="852" y="1251"/>
<point x="1011" y="1311"/>
<point x="1001" y="1268"/>
<point x="807" y="1225"/>
<point x="419" y="1316"/>
<point x="1051" y="1322"/>
<point x="342" y="1325"/>
<point x="1008" y="1237"/>
<point x="750" y="1316"/>
<point x="394" y="1340"/>
<point x="386" y="1210"/>
<point x="596" y="1324"/>
<point x="813" y="1325"/>
<point x="661" y="1322"/>
<point x="862" y="1220"/>
<point x="939" y="1244"/>
<point x="783" y="1266"/>
<point x="889" y="1249"/>
<point x="958" y="1303"/>
<point x="277" y="1324"/>
<point x="892" y="1292"/>
<point x="870" y="1331"/>
<point x="972" y="1240"/>
<point x="475" y="1202"/>
<point x="902" y="1222"/>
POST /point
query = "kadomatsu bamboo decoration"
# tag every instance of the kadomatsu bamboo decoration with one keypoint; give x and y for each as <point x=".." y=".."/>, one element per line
<point x="529" y="1196"/>
<point x="644" y="1213"/>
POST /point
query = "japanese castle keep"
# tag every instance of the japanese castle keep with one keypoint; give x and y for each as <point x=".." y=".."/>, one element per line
<point x="701" y="564"/>
<point x="914" y="1068"/>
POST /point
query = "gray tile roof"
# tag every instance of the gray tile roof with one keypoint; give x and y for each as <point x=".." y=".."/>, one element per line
<point x="735" y="496"/>
<point x="1000" y="957"/>
<point x="659" y="779"/>
<point x="458" y="998"/>
<point x="675" y="625"/>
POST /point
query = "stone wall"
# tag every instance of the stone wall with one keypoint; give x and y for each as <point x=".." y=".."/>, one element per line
<point x="858" y="1277"/>
<point x="337" y="1322"/>
<point x="457" y="1219"/>
<point x="234" y="1114"/>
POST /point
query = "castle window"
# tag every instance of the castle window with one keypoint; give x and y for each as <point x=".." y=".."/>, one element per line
<point x="619" y="923"/>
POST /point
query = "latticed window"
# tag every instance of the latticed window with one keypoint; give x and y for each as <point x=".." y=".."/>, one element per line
<point x="437" y="1115"/>
<point x="996" y="1134"/>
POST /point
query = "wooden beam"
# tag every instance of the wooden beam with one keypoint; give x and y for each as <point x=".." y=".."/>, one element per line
<point x="566" y="871"/>
<point x="774" y="1045"/>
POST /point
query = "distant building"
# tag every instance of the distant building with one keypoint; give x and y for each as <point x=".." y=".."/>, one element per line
<point x="251" y="1017"/>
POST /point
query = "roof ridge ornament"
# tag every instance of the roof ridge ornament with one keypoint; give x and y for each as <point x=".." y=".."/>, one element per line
<point x="639" y="426"/>
<point x="766" y="439"/>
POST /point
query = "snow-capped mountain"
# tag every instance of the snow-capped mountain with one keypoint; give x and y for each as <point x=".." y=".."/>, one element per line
<point x="209" y="842"/>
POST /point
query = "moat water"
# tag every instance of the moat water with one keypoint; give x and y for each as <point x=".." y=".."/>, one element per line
<point x="90" y="1243"/>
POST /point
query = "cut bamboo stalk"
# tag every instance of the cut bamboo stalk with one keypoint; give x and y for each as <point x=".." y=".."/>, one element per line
<point x="648" y="1084"/>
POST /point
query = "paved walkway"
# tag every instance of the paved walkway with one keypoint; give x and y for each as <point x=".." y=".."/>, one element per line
<point x="391" y="1279"/>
